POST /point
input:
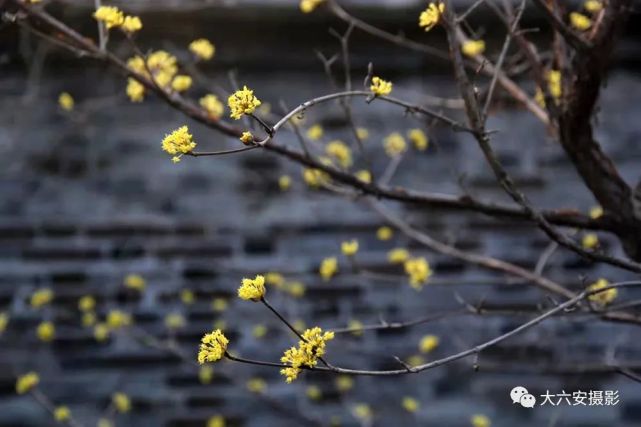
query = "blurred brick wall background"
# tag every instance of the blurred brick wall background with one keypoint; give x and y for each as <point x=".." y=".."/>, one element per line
<point x="88" y="199"/>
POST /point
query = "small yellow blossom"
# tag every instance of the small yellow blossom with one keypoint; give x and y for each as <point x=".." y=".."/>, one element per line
<point x="362" y="133"/>
<point x="179" y="142"/>
<point x="555" y="83"/>
<point x="480" y="420"/>
<point x="187" y="296"/>
<point x="315" y="132"/>
<point x="256" y="385"/>
<point x="418" y="138"/>
<point x="27" y="382"/>
<point x="88" y="319"/>
<point x="181" y="83"/>
<point x="579" y="21"/>
<point x="62" y="414"/>
<point x="175" y="321"/>
<point x="65" y="101"/>
<point x="247" y="138"/>
<point x="212" y="105"/>
<point x="216" y="421"/>
<point x="205" y="374"/>
<point x="593" y="6"/>
<point x="121" y="402"/>
<point x="315" y="177"/>
<point x="590" y="241"/>
<point x="284" y="182"/>
<point x="242" y="102"/>
<point x="350" y="247"/>
<point x="135" y="90"/>
<point x="219" y="304"/>
<point x="328" y="268"/>
<point x="213" y="347"/>
<point x="364" y="175"/>
<point x="105" y="422"/>
<point x="428" y="343"/>
<point x="380" y="87"/>
<point x="313" y="392"/>
<point x="431" y="16"/>
<point x="410" y="404"/>
<point x="356" y="326"/>
<point x="395" y="144"/>
<point x="295" y="289"/>
<point x="362" y="411"/>
<point x="419" y="271"/>
<point x="111" y="16"/>
<point x="596" y="212"/>
<point x="41" y="297"/>
<point x="46" y="331"/>
<point x="135" y="282"/>
<point x="604" y="297"/>
<point x="162" y="64"/>
<point x="275" y="279"/>
<point x="309" y="349"/>
<point x="308" y="6"/>
<point x="341" y="152"/>
<point x="86" y="303"/>
<point x="203" y="49"/>
<point x="384" y="233"/>
<point x="117" y="319"/>
<point x="131" y="24"/>
<point x="252" y="289"/>
<point x="101" y="332"/>
<point x="398" y="255"/>
<point x="473" y="48"/>
<point x="4" y="321"/>
<point x="344" y="383"/>
<point x="259" y="331"/>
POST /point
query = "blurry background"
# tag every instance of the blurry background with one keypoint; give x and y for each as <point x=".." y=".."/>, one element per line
<point x="88" y="197"/>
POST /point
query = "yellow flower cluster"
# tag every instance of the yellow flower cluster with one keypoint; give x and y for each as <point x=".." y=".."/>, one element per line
<point x="163" y="67"/>
<point x="27" y="382"/>
<point x="178" y="142"/>
<point x="203" y="49"/>
<point x="579" y="21"/>
<point x="121" y="402"/>
<point x="590" y="241"/>
<point x="473" y="48"/>
<point x="555" y="87"/>
<point x="362" y="133"/>
<point x="604" y="297"/>
<point x="398" y="255"/>
<point x="364" y="175"/>
<point x="349" y="248"/>
<point x="384" y="233"/>
<point x="252" y="289"/>
<point x="112" y="17"/>
<point x="62" y="414"/>
<point x="410" y="404"/>
<point x="101" y="332"/>
<point x="395" y="144"/>
<point x="431" y="16"/>
<point x="328" y="268"/>
<point x="418" y="138"/>
<point x="418" y="271"/>
<point x="135" y="282"/>
<point x="247" y="138"/>
<point x="309" y="349"/>
<point x="46" y="331"/>
<point x="315" y="132"/>
<point x="341" y="152"/>
<point x="117" y="319"/>
<point x="380" y="87"/>
<point x="428" y="343"/>
<point x="212" y="105"/>
<point x="242" y="102"/>
<point x="213" y="347"/>
<point x="135" y="90"/>
<point x="480" y="420"/>
<point x="315" y="177"/>
<point x="308" y="6"/>
<point x="41" y="297"/>
<point x="181" y="83"/>
<point x="596" y="212"/>
<point x="65" y="101"/>
<point x="593" y="6"/>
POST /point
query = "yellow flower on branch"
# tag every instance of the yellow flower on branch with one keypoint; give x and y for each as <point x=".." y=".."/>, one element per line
<point x="341" y="152"/>
<point x="242" y="102"/>
<point x="328" y="268"/>
<point x="181" y="83"/>
<point x="135" y="90"/>
<point x="247" y="138"/>
<point x="315" y="132"/>
<point x="308" y="6"/>
<point x="410" y="404"/>
<point x="431" y="16"/>
<point x="362" y="133"/>
<point x="604" y="297"/>
<point x="579" y="21"/>
<point x="117" y="319"/>
<point x="384" y="233"/>
<point x="65" y="101"/>
<point x="418" y="138"/>
<point x="590" y="241"/>
<point x="309" y="349"/>
<point x="135" y="282"/>
<point x="212" y="105"/>
<point x="203" y="49"/>
<point x="131" y="24"/>
<point x="111" y="16"/>
<point x="395" y="144"/>
<point x="252" y="289"/>
<point x="473" y="48"/>
<point x="596" y="212"/>
<point x="121" y="402"/>
<point x="380" y="87"/>
<point x="428" y="343"/>
<point x="213" y="347"/>
<point x="101" y="332"/>
<point x="593" y="6"/>
<point x="41" y="297"/>
<point x="46" y="331"/>
<point x="178" y="142"/>
<point x="418" y="271"/>
<point x="27" y="382"/>
<point x="349" y="248"/>
<point x="364" y="175"/>
<point x="315" y="177"/>
<point x="555" y="83"/>
<point x="62" y="414"/>
<point x="398" y="255"/>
